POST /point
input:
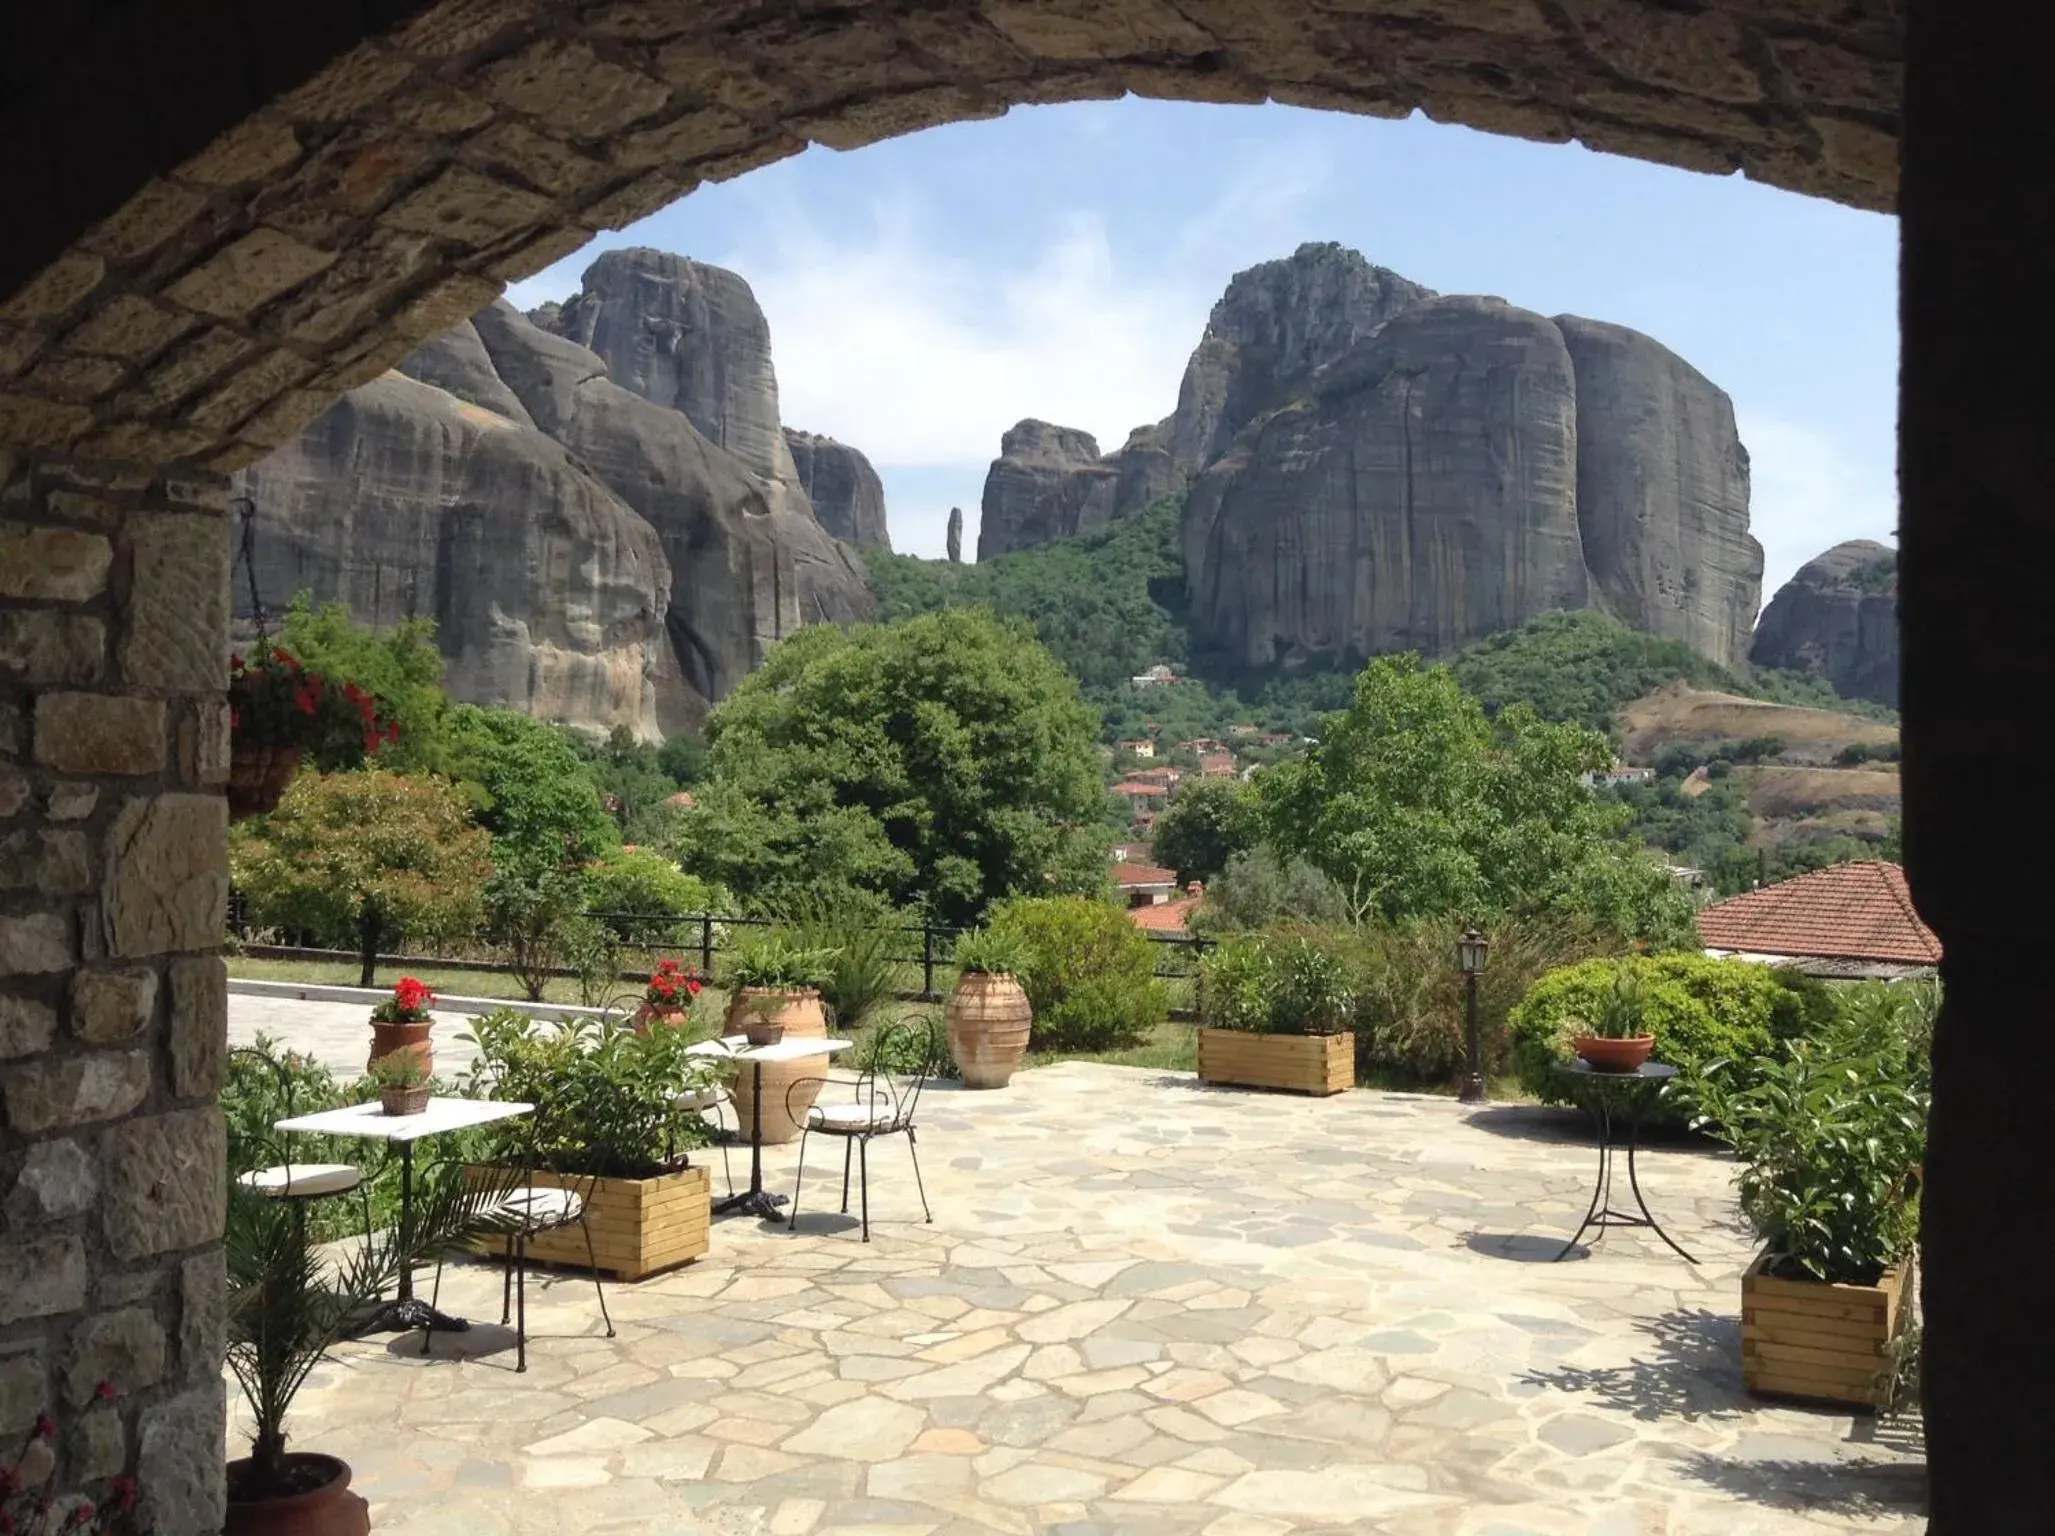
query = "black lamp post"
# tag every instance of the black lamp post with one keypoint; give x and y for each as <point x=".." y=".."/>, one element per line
<point x="1471" y="949"/>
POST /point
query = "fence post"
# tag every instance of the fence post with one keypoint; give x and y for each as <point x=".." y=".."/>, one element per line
<point x="706" y="945"/>
<point x="927" y="960"/>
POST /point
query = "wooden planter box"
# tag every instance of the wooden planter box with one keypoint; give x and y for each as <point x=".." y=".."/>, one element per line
<point x="1320" y="1064"/>
<point x="639" y="1226"/>
<point x="1805" y="1338"/>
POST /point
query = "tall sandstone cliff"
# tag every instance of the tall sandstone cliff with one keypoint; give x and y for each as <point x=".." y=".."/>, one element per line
<point x="602" y="538"/>
<point x="847" y="495"/>
<point x="1838" y="619"/>
<point x="1368" y="466"/>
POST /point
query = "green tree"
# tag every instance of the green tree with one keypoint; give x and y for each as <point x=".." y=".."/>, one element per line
<point x="1417" y="805"/>
<point x="1089" y="972"/>
<point x="1207" y="822"/>
<point x="539" y="803"/>
<point x="942" y="761"/>
<point x="401" y="666"/>
<point x="353" y="858"/>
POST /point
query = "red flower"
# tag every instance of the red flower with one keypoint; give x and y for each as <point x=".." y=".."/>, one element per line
<point x="104" y="1392"/>
<point x="82" y="1513"/>
<point x="392" y="731"/>
<point x="692" y="985"/>
<point x="304" y="699"/>
<point x="124" y="1489"/>
<point x="285" y="658"/>
<point x="46" y="1428"/>
<point x="235" y="660"/>
<point x="235" y="719"/>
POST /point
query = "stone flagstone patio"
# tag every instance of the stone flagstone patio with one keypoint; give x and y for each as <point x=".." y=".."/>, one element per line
<point x="1143" y="1307"/>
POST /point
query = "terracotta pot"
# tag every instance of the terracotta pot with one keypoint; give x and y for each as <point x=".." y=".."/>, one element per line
<point x="763" y="1032"/>
<point x="1608" y="1055"/>
<point x="387" y="1038"/>
<point x="257" y="778"/>
<point x="328" y="1509"/>
<point x="650" y="1013"/>
<point x="801" y="1015"/>
<point x="989" y="1019"/>
<point x="411" y="1100"/>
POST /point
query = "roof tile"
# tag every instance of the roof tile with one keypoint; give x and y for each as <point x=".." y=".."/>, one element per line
<point x="1860" y="911"/>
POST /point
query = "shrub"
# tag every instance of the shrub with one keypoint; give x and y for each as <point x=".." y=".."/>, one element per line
<point x="1281" y="982"/>
<point x="1088" y="971"/>
<point x="642" y="889"/>
<point x="1258" y="888"/>
<point x="1700" y="1010"/>
<point x="535" y="914"/>
<point x="861" y="937"/>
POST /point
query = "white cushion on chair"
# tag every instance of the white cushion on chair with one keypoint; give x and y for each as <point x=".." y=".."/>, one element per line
<point x="850" y="1119"/>
<point x="699" y="1098"/>
<point x="302" y="1181"/>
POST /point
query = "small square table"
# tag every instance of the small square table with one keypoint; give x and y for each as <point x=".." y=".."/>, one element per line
<point x="756" y="1199"/>
<point x="371" y="1121"/>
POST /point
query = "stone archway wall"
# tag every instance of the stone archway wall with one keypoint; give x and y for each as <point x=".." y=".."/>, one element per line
<point x="265" y="210"/>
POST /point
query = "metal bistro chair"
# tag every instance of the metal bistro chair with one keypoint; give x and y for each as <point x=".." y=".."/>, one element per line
<point x="299" y="1184"/>
<point x="883" y="1106"/>
<point x="519" y="1214"/>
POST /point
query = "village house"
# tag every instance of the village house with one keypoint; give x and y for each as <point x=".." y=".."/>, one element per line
<point x="1156" y="677"/>
<point x="1139" y="747"/>
<point x="1849" y="921"/>
<point x="1217" y="765"/>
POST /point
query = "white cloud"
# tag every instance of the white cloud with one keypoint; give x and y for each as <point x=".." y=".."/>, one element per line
<point x="1807" y="493"/>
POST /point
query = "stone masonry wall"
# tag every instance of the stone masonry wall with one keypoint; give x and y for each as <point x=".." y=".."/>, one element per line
<point x="113" y="998"/>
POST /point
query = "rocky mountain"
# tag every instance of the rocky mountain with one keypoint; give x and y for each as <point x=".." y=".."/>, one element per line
<point x="1838" y="619"/>
<point x="1370" y="466"/>
<point x="847" y="496"/>
<point x="601" y="514"/>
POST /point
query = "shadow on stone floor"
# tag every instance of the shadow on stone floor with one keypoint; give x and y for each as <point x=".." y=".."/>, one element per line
<point x="1523" y="1247"/>
<point x="1690" y="1368"/>
<point x="1857" y="1488"/>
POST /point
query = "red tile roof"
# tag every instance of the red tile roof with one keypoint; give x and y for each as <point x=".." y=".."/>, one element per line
<point x="1857" y="911"/>
<point x="1164" y="916"/>
<point x="1125" y="875"/>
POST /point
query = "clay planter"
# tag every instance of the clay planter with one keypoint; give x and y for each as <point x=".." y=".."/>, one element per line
<point x="989" y="1019"/>
<point x="411" y="1100"/>
<point x="329" y="1509"/>
<point x="1809" y="1339"/>
<point x="1611" y="1055"/>
<point x="1315" y="1064"/>
<point x="387" y="1038"/>
<point x="802" y="1017"/>
<point x="760" y="1032"/>
<point x="650" y="1013"/>
<point x="639" y="1226"/>
<point x="257" y="778"/>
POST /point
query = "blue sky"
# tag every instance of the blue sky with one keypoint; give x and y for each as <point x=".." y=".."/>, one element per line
<point x="926" y="293"/>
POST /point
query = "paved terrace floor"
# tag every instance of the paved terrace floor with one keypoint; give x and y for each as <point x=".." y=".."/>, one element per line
<point x="1143" y="1307"/>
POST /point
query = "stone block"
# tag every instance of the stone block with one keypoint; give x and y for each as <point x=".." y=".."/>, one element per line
<point x="57" y="1179"/>
<point x="71" y="802"/>
<point x="98" y="1444"/>
<point x="151" y="216"/>
<point x="254" y="148"/>
<point x="178" y="604"/>
<point x="68" y="376"/>
<point x="166" y="885"/>
<point x="194" y="362"/>
<point x="26" y="1026"/>
<point x="250" y="390"/>
<point x="166" y="1182"/>
<point x="202" y="1315"/>
<point x="24" y="1392"/>
<point x="199" y="1025"/>
<point x="129" y="327"/>
<point x="33" y="422"/>
<point x="467" y="206"/>
<point x="241" y="277"/>
<point x="110" y="1007"/>
<point x="34" y="945"/>
<point x="41" y="1278"/>
<point x="58" y="1092"/>
<point x="66" y="565"/>
<point x="10" y="736"/>
<point x="179" y="1465"/>
<point x="99" y="733"/>
<point x="126" y="1348"/>
<point x="205" y="745"/>
<point x="47" y="647"/>
<point x="55" y="863"/>
<point x="56" y="288"/>
<point x="15" y="792"/>
<point x="126" y="1288"/>
<point x="572" y="89"/>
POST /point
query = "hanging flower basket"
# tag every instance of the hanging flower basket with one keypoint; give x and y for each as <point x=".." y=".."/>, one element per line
<point x="279" y="712"/>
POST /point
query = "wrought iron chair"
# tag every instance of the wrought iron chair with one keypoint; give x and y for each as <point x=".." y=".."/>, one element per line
<point x="884" y="1105"/>
<point x="517" y="1214"/>
<point x="281" y="1178"/>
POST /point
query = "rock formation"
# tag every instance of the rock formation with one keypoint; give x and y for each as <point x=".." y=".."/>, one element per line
<point x="1838" y="619"/>
<point x="847" y="496"/>
<point x="589" y="552"/>
<point x="1369" y="466"/>
<point x="955" y="536"/>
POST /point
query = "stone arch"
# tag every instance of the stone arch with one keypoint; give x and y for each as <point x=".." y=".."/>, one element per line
<point x="270" y="212"/>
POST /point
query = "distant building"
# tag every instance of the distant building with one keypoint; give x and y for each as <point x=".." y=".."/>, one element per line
<point x="1199" y="746"/>
<point x="1140" y="747"/>
<point x="1166" y="777"/>
<point x="1136" y="851"/>
<point x="1619" y="773"/>
<point x="1276" y="739"/>
<point x="681" y="801"/>
<point x="1169" y="916"/>
<point x="1849" y="920"/>
<point x="1144" y="885"/>
<point x="1142" y="796"/>
<point x="1156" y="677"/>
<point x="1217" y="765"/>
<point x="1243" y="728"/>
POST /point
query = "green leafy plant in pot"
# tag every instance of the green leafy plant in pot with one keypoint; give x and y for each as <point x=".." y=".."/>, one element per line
<point x="989" y="1016"/>
<point x="403" y="1086"/>
<point x="288" y="1304"/>
<point x="403" y="1022"/>
<point x="777" y="981"/>
<point x="1614" y="1039"/>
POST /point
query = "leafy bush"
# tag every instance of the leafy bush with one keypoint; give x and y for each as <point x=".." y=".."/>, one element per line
<point x="648" y="888"/>
<point x="861" y="937"/>
<point x="1088" y="971"/>
<point x="607" y="1098"/>
<point x="901" y="1047"/>
<point x="1830" y="1132"/>
<point x="1258" y="888"/>
<point x="1281" y="982"/>
<point x="535" y="914"/>
<point x="1700" y="1011"/>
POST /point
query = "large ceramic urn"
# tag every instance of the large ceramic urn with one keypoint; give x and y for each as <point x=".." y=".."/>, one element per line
<point x="789" y="1087"/>
<point x="989" y="1019"/>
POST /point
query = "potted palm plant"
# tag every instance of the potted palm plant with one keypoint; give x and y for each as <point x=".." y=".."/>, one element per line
<point x="402" y="1023"/>
<point x="1615" y="1040"/>
<point x="615" y="1118"/>
<point x="777" y="988"/>
<point x="989" y="1015"/>
<point x="1275" y="1014"/>
<point x="288" y="1305"/>
<point x="1830" y="1136"/>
